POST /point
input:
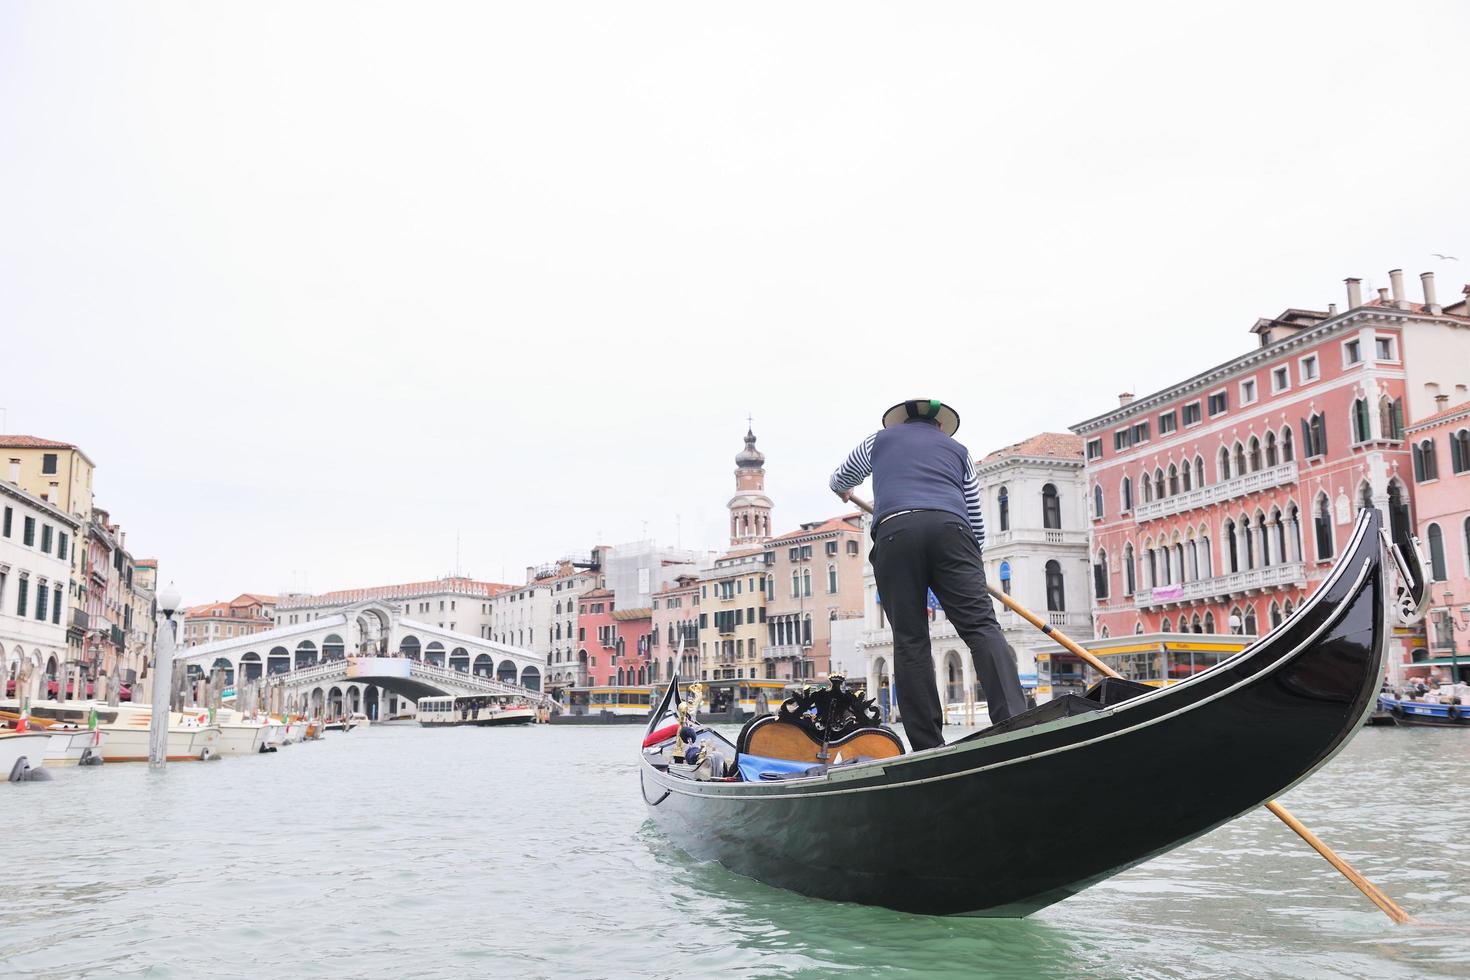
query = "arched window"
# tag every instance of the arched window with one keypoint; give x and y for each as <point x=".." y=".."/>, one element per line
<point x="1251" y="627"/>
<point x="1100" y="574"/>
<point x="1005" y="509"/>
<point x="1287" y="455"/>
<point x="1148" y="488"/>
<point x="1051" y="508"/>
<point x="1209" y="622"/>
<point x="1275" y="614"/>
<point x="1138" y="628"/>
<point x="1286" y="609"/>
<point x="1250" y="542"/>
<point x="1185" y="477"/>
<point x="1460" y="451"/>
<point x="1323" y="525"/>
<point x="1129" y="574"/>
<point x="1097" y="502"/>
<point x="1361" y="431"/>
<point x="1173" y="480"/>
<point x="1165" y="625"/>
<point x="1194" y="624"/>
<point x="806" y="581"/>
<point x="1206" y="563"/>
<point x="1232" y="548"/>
<point x="1263" y="536"/>
<point x="1436" y="553"/>
<point x="1104" y="633"/>
<point x="1425" y="468"/>
<point x="1056" y="599"/>
<point x="831" y="579"/>
<point x="1126" y="493"/>
<point x="1271" y="457"/>
<point x="1199" y="471"/>
<point x="1158" y="484"/>
<point x="1224" y="464"/>
<point x="1239" y="465"/>
<point x="1192" y="568"/>
<point x="795" y="583"/>
<point x="1237" y="622"/>
<point x="1391" y="417"/>
<point x="1255" y="454"/>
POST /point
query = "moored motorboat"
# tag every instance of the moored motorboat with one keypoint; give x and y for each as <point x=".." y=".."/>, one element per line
<point x="970" y="828"/>
<point x="190" y="736"/>
<point x="72" y="746"/>
<point x="22" y="749"/>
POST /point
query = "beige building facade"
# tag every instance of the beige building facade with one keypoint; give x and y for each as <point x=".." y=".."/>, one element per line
<point x="815" y="577"/>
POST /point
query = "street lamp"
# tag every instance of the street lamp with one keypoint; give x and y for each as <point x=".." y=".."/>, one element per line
<point x="163" y="672"/>
<point x="1449" y="623"/>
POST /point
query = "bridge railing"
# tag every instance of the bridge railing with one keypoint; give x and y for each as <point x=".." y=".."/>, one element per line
<point x="482" y="681"/>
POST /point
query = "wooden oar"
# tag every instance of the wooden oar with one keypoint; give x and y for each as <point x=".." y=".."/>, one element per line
<point x="1373" y="892"/>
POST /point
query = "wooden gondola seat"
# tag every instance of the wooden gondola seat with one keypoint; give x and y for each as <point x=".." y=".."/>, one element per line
<point x="825" y="726"/>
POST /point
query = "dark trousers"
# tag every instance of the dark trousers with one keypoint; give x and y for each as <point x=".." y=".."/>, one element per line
<point x="931" y="549"/>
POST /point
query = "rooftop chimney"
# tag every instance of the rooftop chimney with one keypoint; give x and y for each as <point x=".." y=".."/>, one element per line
<point x="1383" y="295"/>
<point x="15" y="471"/>
<point x="1441" y="401"/>
<point x="1355" y="293"/>
<point x="1431" y="301"/>
<point x="1332" y="309"/>
<point x="1125" y="398"/>
<point x="1396" y="279"/>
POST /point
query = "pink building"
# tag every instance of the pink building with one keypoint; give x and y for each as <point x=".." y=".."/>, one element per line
<point x="1441" y="448"/>
<point x="675" y="618"/>
<point x="1219" y="503"/>
<point x="596" y="638"/>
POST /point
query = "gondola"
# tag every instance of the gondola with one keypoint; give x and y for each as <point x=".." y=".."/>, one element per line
<point x="975" y="827"/>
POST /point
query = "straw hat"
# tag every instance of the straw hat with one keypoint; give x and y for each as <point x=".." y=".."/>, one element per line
<point x="924" y="408"/>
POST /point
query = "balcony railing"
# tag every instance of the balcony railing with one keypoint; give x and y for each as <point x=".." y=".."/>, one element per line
<point x="1047" y="535"/>
<point x="1236" y="583"/>
<point x="786" y="651"/>
<point x="79" y="619"/>
<point x="1274" y="476"/>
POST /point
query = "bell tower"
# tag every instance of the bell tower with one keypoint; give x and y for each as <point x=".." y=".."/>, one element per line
<point x="750" y="508"/>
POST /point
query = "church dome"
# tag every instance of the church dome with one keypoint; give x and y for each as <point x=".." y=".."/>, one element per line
<point x="750" y="456"/>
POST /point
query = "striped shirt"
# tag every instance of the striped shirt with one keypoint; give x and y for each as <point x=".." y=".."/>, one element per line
<point x="859" y="466"/>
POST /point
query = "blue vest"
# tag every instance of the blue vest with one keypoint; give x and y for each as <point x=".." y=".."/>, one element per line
<point x="917" y="467"/>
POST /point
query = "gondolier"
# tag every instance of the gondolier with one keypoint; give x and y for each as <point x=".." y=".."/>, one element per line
<point x="928" y="533"/>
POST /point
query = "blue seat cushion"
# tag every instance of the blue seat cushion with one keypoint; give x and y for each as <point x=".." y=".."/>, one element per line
<point x="754" y="767"/>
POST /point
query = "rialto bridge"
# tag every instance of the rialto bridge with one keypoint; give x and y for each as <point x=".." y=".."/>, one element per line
<point x="340" y="660"/>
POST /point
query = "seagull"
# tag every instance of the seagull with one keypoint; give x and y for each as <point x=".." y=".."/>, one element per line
<point x="1447" y="258"/>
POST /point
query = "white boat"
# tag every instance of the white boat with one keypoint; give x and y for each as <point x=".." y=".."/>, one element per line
<point x="190" y="736"/>
<point x="295" y="731"/>
<point x="275" y="735"/>
<point x="74" y="746"/>
<point x="27" y="745"/>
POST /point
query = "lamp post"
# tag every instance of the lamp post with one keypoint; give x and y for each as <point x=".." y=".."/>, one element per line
<point x="1453" y="627"/>
<point x="163" y="672"/>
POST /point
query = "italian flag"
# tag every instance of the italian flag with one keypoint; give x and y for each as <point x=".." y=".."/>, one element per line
<point x="24" y="722"/>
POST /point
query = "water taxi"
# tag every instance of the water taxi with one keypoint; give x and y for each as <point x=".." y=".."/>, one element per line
<point x="1445" y="707"/>
<point x="737" y="700"/>
<point x="21" y="750"/>
<point x="480" y="709"/>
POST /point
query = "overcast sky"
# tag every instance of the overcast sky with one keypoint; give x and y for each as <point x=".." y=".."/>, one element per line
<point x="321" y="285"/>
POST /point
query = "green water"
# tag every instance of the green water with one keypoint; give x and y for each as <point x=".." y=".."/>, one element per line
<point x="400" y="852"/>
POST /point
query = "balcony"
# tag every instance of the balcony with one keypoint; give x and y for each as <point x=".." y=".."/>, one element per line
<point x="786" y="651"/>
<point x="1072" y="623"/>
<point x="1275" y="476"/>
<point x="79" y="620"/>
<point x="1223" y="586"/>
<point x="996" y="539"/>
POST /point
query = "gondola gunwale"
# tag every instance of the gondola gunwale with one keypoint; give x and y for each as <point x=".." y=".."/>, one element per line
<point x="880" y="774"/>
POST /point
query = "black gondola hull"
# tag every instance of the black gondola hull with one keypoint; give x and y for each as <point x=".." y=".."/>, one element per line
<point x="1009" y="824"/>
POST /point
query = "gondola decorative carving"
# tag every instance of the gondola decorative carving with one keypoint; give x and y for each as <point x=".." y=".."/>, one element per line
<point x="829" y="713"/>
<point x="1411" y="596"/>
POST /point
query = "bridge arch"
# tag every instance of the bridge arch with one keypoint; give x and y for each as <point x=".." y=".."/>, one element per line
<point x="531" y="678"/>
<point x="250" y="666"/>
<point x="484" y="665"/>
<point x="507" y="672"/>
<point x="374" y="624"/>
<point x="227" y="666"/>
<point x="333" y="648"/>
<point x="334" y="701"/>
<point x="409" y="646"/>
<point x="354" y="699"/>
<point x="459" y="659"/>
<point x="305" y="654"/>
<point x="278" y="661"/>
<point x="434" y="653"/>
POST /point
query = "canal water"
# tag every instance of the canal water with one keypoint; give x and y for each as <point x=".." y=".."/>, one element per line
<point x="401" y="852"/>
